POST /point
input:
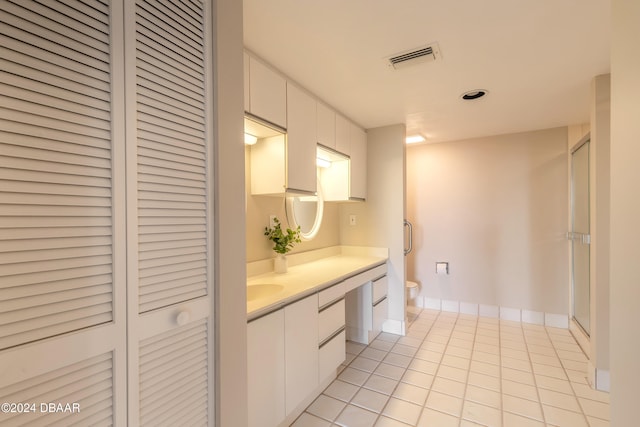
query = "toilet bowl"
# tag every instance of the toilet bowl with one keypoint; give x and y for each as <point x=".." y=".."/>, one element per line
<point x="411" y="290"/>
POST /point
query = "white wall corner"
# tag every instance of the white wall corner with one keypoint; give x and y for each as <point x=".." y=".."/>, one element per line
<point x="512" y="314"/>
<point x="556" y="320"/>
<point x="469" y="308"/>
<point x="533" y="317"/>
<point x="489" y="311"/>
<point x="450" y="306"/>
<point x="432" y="303"/>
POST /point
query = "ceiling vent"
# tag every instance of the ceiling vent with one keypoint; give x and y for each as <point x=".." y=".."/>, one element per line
<point x="427" y="53"/>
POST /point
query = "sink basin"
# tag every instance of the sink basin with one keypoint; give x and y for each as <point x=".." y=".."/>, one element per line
<point x="255" y="292"/>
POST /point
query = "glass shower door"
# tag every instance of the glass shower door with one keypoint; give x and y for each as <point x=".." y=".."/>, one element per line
<point x="580" y="237"/>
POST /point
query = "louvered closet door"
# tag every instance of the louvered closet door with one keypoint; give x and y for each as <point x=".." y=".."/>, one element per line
<point x="62" y="251"/>
<point x="170" y="327"/>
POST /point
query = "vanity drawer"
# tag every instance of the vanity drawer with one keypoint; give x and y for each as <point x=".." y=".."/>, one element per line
<point x="331" y="320"/>
<point x="379" y="315"/>
<point x="331" y="355"/>
<point x="364" y="277"/>
<point x="379" y="289"/>
<point x="331" y="294"/>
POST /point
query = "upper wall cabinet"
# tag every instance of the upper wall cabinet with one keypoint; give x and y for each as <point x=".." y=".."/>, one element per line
<point x="343" y="126"/>
<point x="326" y="126"/>
<point x="301" y="140"/>
<point x="266" y="96"/>
<point x="351" y="141"/>
<point x="287" y="163"/>
<point x="358" y="154"/>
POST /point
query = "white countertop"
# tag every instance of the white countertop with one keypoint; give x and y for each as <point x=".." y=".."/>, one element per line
<point x="309" y="277"/>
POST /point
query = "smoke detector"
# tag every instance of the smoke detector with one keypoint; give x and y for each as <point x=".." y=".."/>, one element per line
<point x="430" y="52"/>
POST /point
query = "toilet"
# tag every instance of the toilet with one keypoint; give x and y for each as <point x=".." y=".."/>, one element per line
<point x="411" y="290"/>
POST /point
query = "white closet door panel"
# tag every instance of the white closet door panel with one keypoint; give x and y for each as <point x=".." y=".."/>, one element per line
<point x="170" y="381"/>
<point x="173" y="376"/>
<point x="71" y="101"/>
<point x="89" y="383"/>
<point x="172" y="167"/>
<point x="43" y="69"/>
<point x="56" y="198"/>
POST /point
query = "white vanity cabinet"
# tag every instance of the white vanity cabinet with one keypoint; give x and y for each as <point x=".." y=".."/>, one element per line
<point x="331" y="331"/>
<point x="267" y="92"/>
<point x="282" y="361"/>
<point x="379" y="304"/>
<point x="301" y="351"/>
<point x="266" y="370"/>
<point x="366" y="308"/>
<point x="295" y="350"/>
<point x="301" y="140"/>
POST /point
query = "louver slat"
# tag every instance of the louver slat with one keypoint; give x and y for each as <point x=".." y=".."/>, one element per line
<point x="56" y="251"/>
<point x="88" y="383"/>
<point x="173" y="376"/>
<point x="172" y="178"/>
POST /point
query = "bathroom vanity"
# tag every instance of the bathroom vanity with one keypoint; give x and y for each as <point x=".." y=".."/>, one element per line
<point x="298" y="324"/>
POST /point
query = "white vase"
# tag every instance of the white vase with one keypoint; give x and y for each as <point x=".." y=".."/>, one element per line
<point x="280" y="263"/>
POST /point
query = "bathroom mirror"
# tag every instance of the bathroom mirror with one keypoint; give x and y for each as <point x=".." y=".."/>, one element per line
<point x="306" y="212"/>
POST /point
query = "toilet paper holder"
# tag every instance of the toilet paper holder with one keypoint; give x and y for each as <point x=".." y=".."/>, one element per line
<point x="442" y="267"/>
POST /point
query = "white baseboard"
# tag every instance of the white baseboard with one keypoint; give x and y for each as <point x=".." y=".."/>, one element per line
<point x="432" y="303"/>
<point x="512" y="314"/>
<point x="556" y="320"/>
<point x="469" y="308"/>
<point x="392" y="326"/>
<point x="450" y="306"/>
<point x="494" y="311"/>
<point x="533" y="317"/>
<point x="600" y="379"/>
<point x="603" y="380"/>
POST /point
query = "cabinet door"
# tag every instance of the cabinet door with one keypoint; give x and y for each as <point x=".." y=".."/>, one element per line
<point x="247" y="86"/>
<point x="301" y="351"/>
<point x="62" y="198"/>
<point x="358" y="182"/>
<point x="326" y="126"/>
<point x="301" y="140"/>
<point x="343" y="143"/>
<point x="169" y="252"/>
<point x="265" y="370"/>
<point x="267" y="92"/>
<point x="331" y="355"/>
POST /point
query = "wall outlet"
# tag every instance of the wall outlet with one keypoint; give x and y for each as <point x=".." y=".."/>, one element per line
<point x="272" y="222"/>
<point x="352" y="220"/>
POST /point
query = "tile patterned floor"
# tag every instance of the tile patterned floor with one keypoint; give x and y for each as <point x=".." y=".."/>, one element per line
<point x="461" y="371"/>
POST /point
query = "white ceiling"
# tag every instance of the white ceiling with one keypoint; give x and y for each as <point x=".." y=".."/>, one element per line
<point x="536" y="58"/>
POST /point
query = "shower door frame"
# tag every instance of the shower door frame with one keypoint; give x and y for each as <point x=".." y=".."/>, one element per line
<point x="580" y="238"/>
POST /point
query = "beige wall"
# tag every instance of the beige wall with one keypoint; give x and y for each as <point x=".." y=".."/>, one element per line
<point x="495" y="208"/>
<point x="625" y="213"/>
<point x="379" y="219"/>
<point x="259" y="208"/>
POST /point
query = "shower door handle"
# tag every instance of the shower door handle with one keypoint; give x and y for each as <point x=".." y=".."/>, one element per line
<point x="408" y="250"/>
<point x="583" y="238"/>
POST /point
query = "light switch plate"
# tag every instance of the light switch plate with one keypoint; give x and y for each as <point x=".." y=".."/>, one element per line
<point x="352" y="220"/>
